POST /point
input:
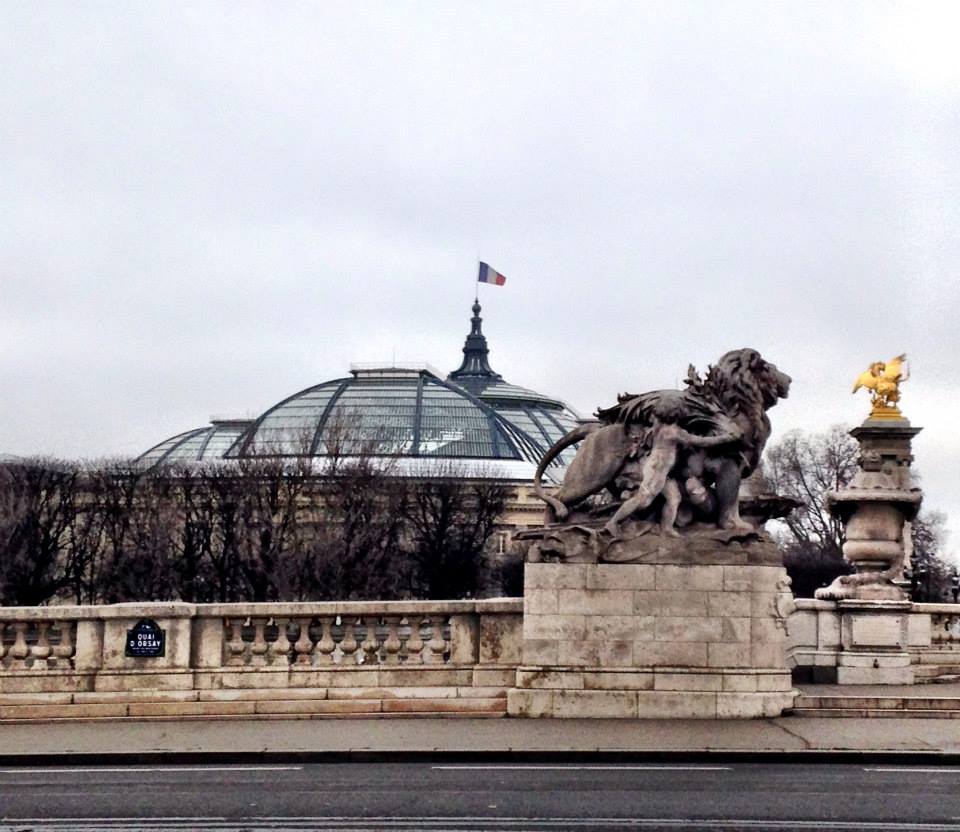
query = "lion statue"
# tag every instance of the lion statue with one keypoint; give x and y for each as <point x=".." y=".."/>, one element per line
<point x="691" y="448"/>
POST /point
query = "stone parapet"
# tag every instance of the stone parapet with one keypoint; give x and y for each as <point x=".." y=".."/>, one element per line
<point x="374" y="652"/>
<point x="641" y="639"/>
<point x="879" y="642"/>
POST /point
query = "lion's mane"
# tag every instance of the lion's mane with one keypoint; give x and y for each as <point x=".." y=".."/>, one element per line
<point x="745" y="386"/>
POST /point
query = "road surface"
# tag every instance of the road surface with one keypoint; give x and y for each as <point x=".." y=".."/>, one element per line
<point x="437" y="796"/>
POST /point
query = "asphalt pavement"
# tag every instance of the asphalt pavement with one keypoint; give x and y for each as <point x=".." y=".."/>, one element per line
<point x="496" y="795"/>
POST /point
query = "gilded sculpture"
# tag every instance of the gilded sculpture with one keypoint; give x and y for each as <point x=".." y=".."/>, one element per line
<point x="883" y="380"/>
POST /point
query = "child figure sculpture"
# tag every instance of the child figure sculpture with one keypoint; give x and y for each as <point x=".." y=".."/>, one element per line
<point x="665" y="438"/>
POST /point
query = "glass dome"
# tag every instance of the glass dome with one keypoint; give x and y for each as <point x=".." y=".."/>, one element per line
<point x="413" y="417"/>
<point x="387" y="412"/>
<point x="205" y="444"/>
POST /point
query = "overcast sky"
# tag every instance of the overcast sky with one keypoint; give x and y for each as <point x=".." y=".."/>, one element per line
<point x="207" y="207"/>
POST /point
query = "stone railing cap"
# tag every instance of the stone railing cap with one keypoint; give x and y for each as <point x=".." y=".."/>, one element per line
<point x="65" y="613"/>
<point x="814" y="604"/>
<point x="176" y="609"/>
<point x="942" y="609"/>
<point x="358" y="608"/>
<point x="493" y="605"/>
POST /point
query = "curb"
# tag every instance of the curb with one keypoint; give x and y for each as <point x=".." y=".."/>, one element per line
<point x="835" y="756"/>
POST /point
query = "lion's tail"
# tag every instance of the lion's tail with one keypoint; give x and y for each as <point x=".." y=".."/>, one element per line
<point x="579" y="433"/>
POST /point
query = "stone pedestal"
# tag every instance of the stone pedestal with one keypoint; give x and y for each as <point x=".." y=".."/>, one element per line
<point x="874" y="638"/>
<point x="874" y="508"/>
<point x="656" y="639"/>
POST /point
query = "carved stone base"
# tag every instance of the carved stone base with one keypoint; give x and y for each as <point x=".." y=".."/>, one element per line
<point x="874" y="641"/>
<point x="666" y="638"/>
<point x="644" y="542"/>
<point x="863" y="586"/>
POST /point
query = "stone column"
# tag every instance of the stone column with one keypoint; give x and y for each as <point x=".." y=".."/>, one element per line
<point x="875" y="508"/>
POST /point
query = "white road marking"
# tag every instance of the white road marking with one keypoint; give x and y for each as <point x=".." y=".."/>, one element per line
<point x="141" y="770"/>
<point x="949" y="770"/>
<point x="448" y="824"/>
<point x="578" y="768"/>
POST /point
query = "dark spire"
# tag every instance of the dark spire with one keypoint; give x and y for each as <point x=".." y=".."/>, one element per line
<point x="474" y="371"/>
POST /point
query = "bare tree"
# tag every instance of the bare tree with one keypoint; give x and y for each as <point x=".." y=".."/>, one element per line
<point x="269" y="517"/>
<point x="227" y="492"/>
<point x="358" y="533"/>
<point x="265" y="528"/>
<point x="38" y="505"/>
<point x="451" y="519"/>
<point x="807" y="466"/>
<point x="931" y="577"/>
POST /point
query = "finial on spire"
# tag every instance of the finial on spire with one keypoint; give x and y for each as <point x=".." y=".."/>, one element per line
<point x="475" y="367"/>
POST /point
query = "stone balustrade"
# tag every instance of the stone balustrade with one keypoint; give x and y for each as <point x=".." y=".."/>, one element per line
<point x="337" y="657"/>
<point x="37" y="643"/>
<point x="944" y="624"/>
<point x="825" y="635"/>
<point x="412" y="657"/>
<point x="322" y="638"/>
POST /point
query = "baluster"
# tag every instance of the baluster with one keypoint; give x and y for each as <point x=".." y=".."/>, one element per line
<point x="348" y="645"/>
<point x="392" y="643"/>
<point x="3" y="647"/>
<point x="279" y="651"/>
<point x="952" y="626"/>
<point x="303" y="646"/>
<point x="19" y="651"/>
<point x="370" y="646"/>
<point x="258" y="650"/>
<point x="235" y="646"/>
<point x="40" y="651"/>
<point x="415" y="642"/>
<point x="436" y="644"/>
<point x="63" y="652"/>
<point x="326" y="645"/>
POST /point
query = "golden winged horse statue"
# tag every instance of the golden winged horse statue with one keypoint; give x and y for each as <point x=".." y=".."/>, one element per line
<point x="883" y="380"/>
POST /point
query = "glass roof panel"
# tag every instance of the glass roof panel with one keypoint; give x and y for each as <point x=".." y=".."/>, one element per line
<point x="221" y="440"/>
<point x="410" y="414"/>
<point x="182" y="447"/>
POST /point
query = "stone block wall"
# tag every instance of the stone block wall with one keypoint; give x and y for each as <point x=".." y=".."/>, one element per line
<point x="652" y="640"/>
<point x="853" y="642"/>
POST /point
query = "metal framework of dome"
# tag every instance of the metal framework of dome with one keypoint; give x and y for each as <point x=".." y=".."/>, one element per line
<point x="406" y="414"/>
<point x="387" y="411"/>
<point x="206" y="444"/>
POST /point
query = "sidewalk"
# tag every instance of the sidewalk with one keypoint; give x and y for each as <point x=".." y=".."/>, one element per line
<point x="945" y="690"/>
<point x="243" y="738"/>
<point x="166" y="740"/>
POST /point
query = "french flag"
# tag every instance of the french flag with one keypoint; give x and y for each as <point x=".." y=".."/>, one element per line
<point x="488" y="275"/>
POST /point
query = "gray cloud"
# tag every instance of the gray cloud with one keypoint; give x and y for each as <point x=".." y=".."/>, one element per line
<point x="204" y="209"/>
